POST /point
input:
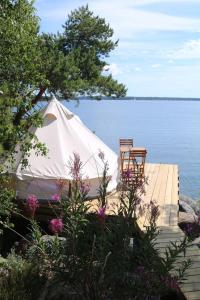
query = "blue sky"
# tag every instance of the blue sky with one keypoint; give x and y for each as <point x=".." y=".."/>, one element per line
<point x="159" y="42"/>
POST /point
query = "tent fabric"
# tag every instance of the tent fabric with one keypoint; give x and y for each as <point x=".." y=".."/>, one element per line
<point x="64" y="134"/>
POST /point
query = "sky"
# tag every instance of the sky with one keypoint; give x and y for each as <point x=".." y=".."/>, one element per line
<point x="159" y="42"/>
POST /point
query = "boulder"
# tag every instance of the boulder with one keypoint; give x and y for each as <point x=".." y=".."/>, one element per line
<point x="185" y="207"/>
<point x="191" y="202"/>
<point x="186" y="218"/>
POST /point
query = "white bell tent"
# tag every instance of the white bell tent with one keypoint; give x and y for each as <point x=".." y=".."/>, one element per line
<point x="64" y="134"/>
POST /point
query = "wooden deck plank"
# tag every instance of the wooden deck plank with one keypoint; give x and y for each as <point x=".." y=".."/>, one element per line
<point x="192" y="295"/>
<point x="194" y="271"/>
<point x="152" y="190"/>
<point x="173" y="219"/>
<point x="151" y="172"/>
<point x="190" y="287"/>
<point x="152" y="178"/>
<point x="162" y="191"/>
<point x="168" y="194"/>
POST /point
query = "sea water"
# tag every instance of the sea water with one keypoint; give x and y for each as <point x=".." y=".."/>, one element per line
<point x="170" y="130"/>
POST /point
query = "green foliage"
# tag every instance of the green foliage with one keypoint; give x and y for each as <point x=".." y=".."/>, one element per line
<point x="7" y="205"/>
<point x="20" y="77"/>
<point x="32" y="64"/>
<point x="19" y="280"/>
<point x="86" y="41"/>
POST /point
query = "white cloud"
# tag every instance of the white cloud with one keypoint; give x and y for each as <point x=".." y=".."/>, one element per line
<point x="137" y="69"/>
<point x="112" y="69"/>
<point x="156" y="66"/>
<point x="124" y="17"/>
<point x="190" y="50"/>
<point x="146" y="2"/>
<point x="144" y="60"/>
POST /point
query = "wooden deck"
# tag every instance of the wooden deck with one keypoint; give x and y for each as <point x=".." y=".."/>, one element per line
<point x="163" y="188"/>
<point x="191" y="286"/>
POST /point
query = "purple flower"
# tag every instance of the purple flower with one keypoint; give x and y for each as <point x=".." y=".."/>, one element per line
<point x="188" y="229"/>
<point x="84" y="188"/>
<point x="56" y="225"/>
<point x="154" y="211"/>
<point x="55" y="197"/>
<point x="140" y="269"/>
<point x="32" y="203"/>
<point x="126" y="174"/>
<point x="102" y="212"/>
<point x="75" y="166"/>
<point x="171" y="283"/>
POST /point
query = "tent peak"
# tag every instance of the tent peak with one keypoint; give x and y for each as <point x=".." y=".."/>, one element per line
<point x="54" y="108"/>
<point x="53" y="98"/>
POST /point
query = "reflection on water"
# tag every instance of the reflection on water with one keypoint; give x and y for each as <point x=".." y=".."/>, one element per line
<point x="170" y="130"/>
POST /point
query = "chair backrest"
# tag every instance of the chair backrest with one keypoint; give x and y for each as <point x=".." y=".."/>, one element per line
<point x="126" y="142"/>
<point x="137" y="161"/>
<point x="138" y="153"/>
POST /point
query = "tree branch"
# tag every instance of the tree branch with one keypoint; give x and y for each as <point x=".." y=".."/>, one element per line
<point x="23" y="110"/>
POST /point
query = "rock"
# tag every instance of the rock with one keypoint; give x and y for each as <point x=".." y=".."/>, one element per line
<point x="185" y="207"/>
<point x="187" y="218"/>
<point x="191" y="202"/>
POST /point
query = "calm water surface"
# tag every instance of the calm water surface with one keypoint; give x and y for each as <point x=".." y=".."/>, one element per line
<point x="170" y="130"/>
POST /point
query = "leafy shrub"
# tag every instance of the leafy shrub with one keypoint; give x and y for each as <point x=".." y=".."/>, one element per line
<point x="19" y="279"/>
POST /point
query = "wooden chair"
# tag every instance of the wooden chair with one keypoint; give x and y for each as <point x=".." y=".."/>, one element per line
<point x="133" y="168"/>
<point x="126" y="143"/>
<point x="125" y="147"/>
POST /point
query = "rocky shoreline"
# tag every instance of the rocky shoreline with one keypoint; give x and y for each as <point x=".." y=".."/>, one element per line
<point x="189" y="211"/>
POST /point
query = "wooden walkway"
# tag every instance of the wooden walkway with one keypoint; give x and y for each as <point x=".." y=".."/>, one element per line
<point x="191" y="286"/>
<point x="163" y="188"/>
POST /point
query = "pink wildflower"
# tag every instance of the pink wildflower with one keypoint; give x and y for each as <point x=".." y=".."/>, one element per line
<point x="75" y="166"/>
<point x="102" y="212"/>
<point x="189" y="229"/>
<point x="56" y="225"/>
<point x="126" y="174"/>
<point x="154" y="212"/>
<point x="84" y="188"/>
<point x="55" y="197"/>
<point x="171" y="283"/>
<point x="140" y="269"/>
<point x="32" y="203"/>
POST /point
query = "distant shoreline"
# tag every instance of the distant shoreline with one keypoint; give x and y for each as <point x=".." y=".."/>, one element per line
<point x="142" y="98"/>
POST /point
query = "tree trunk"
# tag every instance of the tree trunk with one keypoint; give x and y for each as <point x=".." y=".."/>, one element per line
<point x="22" y="111"/>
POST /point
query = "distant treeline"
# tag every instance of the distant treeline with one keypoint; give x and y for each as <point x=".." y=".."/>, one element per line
<point x="141" y="98"/>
